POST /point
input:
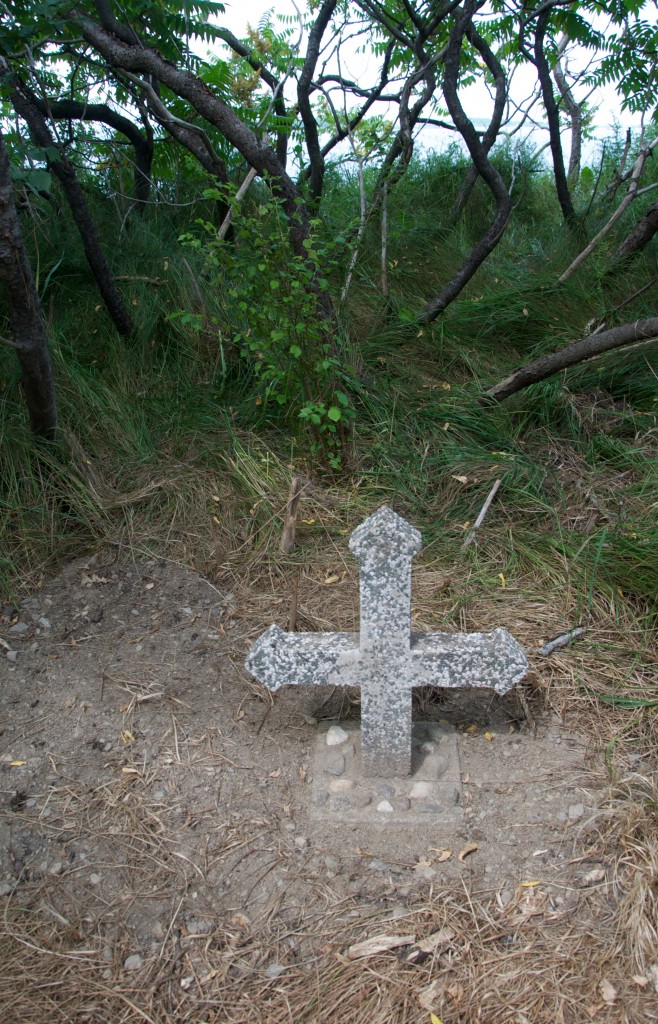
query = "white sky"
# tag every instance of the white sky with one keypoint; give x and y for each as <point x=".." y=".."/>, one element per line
<point x="238" y="15"/>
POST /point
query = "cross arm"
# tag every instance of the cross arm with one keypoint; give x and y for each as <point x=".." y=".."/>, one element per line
<point x="321" y="659"/>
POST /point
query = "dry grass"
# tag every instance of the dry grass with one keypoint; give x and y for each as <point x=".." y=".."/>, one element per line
<point x="521" y="962"/>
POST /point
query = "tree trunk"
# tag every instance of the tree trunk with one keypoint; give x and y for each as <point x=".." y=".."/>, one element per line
<point x="25" y="314"/>
<point x="483" y="165"/>
<point x="641" y="234"/>
<point x="65" y="172"/>
<point x="587" y="348"/>
<point x="553" y="118"/>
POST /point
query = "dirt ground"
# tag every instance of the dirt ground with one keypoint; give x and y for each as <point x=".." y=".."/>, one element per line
<point x="156" y="832"/>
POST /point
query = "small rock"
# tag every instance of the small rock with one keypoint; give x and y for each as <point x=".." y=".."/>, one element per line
<point x="424" y="871"/>
<point x="301" y="842"/>
<point x="94" y="879"/>
<point x="133" y="962"/>
<point x="428" y="808"/>
<point x="19" y="628"/>
<point x="341" y="785"/>
<point x="320" y="798"/>
<point x="5" y="888"/>
<point x="421" y="790"/>
<point x="403" y="803"/>
<point x="427" y="748"/>
<point x="576" y="812"/>
<point x="108" y="955"/>
<point x="44" y="622"/>
<point x="331" y="862"/>
<point x="385" y="807"/>
<point x="336" y="735"/>
<point x="359" y="800"/>
<point x="378" y="865"/>
<point x="274" y="970"/>
<point x="199" y="926"/>
<point x="335" y="765"/>
<point x="107" y="973"/>
<point x="12" y="655"/>
<point x="385" y="791"/>
<point x="56" y="868"/>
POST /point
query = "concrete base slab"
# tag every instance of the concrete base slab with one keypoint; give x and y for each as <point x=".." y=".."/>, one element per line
<point x="431" y="794"/>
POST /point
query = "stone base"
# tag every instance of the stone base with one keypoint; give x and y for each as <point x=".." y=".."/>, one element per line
<point x="431" y="794"/>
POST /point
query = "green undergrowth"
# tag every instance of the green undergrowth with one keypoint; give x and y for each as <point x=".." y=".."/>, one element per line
<point x="169" y="449"/>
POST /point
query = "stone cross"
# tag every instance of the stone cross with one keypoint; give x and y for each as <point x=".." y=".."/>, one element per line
<point x="385" y="660"/>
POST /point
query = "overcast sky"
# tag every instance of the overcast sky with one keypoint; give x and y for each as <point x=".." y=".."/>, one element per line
<point x="240" y="13"/>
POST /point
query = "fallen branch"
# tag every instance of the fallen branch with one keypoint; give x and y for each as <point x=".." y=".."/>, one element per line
<point x="587" y="348"/>
<point x="558" y="642"/>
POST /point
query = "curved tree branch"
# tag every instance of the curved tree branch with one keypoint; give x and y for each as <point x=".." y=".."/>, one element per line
<point x="75" y="110"/>
<point x="491" y="134"/>
<point x="587" y="348"/>
<point x="484" y="167"/>
<point x="315" y="156"/>
<point x="22" y="100"/>
<point x="145" y="60"/>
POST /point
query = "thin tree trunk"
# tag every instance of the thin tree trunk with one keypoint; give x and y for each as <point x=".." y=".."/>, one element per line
<point x="25" y="314"/>
<point x="553" y="118"/>
<point x="65" y="172"/>
<point x="484" y="167"/>
<point x="491" y="133"/>
<point x="587" y="348"/>
<point x="640" y="236"/>
<point x="575" y="115"/>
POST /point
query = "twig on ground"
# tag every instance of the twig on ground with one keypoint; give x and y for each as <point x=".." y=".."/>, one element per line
<point x="558" y="642"/>
<point x="483" y="511"/>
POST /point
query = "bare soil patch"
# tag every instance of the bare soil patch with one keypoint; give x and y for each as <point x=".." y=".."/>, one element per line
<point x="159" y="862"/>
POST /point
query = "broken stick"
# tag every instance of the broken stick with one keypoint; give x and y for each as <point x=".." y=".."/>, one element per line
<point x="290" y="518"/>
<point x="483" y="511"/>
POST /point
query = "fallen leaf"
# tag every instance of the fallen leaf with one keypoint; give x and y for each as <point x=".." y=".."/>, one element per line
<point x="17" y="764"/>
<point x="276" y="773"/>
<point x="88" y="581"/>
<point x="446" y="426"/>
<point x="331" y="579"/>
<point x="471" y="728"/>
<point x="502" y="580"/>
<point x="428" y="997"/>
<point x="240" y="715"/>
<point x="469" y="848"/>
<point x="444" y="854"/>
<point x="640" y="980"/>
<point x="127" y="737"/>
<point x="529" y="885"/>
<point x="488" y="736"/>
<point x="434" y="1019"/>
<point x="309" y="522"/>
<point x="215" y="497"/>
<point x="460" y="479"/>
<point x="379" y="944"/>
<point x="608" y="992"/>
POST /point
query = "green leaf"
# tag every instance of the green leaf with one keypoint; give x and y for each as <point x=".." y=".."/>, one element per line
<point x="334" y="413"/>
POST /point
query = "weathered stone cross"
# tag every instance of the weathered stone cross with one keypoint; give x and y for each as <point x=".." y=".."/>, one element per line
<point x="385" y="659"/>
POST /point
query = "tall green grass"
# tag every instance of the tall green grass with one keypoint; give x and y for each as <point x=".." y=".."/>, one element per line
<point x="164" y="420"/>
